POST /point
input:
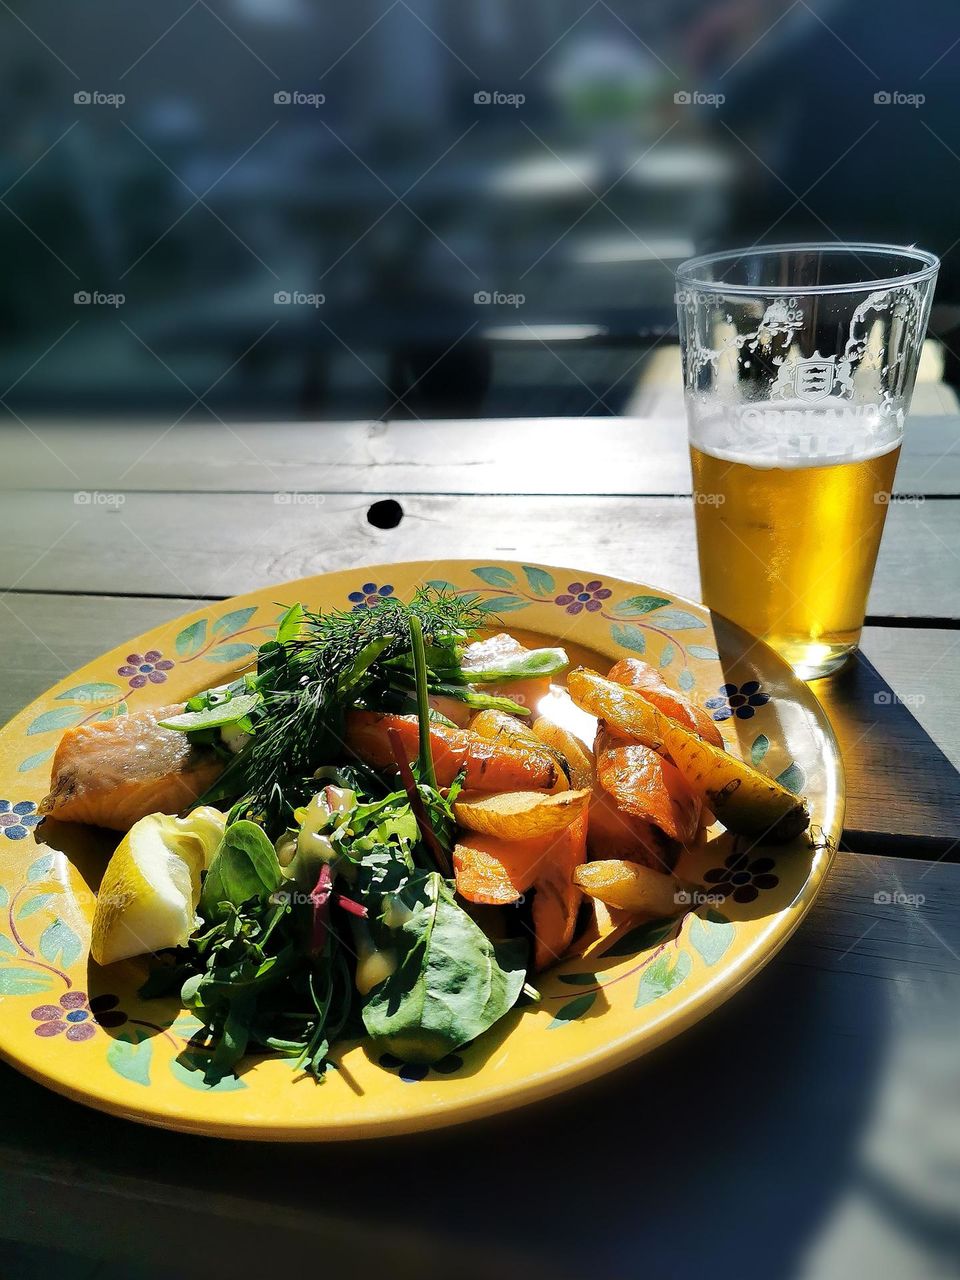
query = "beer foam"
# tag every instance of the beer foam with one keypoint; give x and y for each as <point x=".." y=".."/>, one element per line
<point x="791" y="433"/>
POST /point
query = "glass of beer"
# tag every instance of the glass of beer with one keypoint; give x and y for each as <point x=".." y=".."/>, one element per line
<point x="798" y="367"/>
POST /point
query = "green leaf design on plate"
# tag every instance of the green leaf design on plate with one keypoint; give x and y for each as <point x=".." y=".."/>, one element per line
<point x="232" y="652"/>
<point x="233" y="621"/>
<point x="33" y="761"/>
<point x="793" y="778"/>
<point x="95" y="689"/>
<point x="711" y="938"/>
<point x="40" y="867"/>
<point x="635" y="605"/>
<point x="761" y="745"/>
<point x="702" y="651"/>
<point x="686" y="680"/>
<point x="186" y="1025"/>
<point x="4" y="896"/>
<point x="667" y="656"/>
<point x="642" y="936"/>
<point x="629" y="637"/>
<point x="680" y="620"/>
<point x="661" y="977"/>
<point x="7" y="946"/>
<point x="131" y="1058"/>
<point x="494" y="576"/>
<point x="109" y="712"/>
<point x="441" y="584"/>
<point x="188" y="1067"/>
<point x="504" y="604"/>
<point x="58" y="718"/>
<point x="575" y="1009"/>
<point x="579" y="979"/>
<point x="17" y="980"/>
<point x="34" y="904"/>
<point x="191" y="638"/>
<point x="58" y="942"/>
<point x="540" y="581"/>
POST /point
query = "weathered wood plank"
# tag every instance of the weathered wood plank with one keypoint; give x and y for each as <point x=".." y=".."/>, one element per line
<point x="188" y="544"/>
<point x="860" y="1002"/>
<point x="539" y="455"/>
<point x="895" y="712"/>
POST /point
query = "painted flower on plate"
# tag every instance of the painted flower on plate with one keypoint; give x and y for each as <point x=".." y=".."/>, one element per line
<point x="151" y="666"/>
<point x="741" y="878"/>
<point x="741" y="701"/>
<point x="583" y="595"/>
<point x="77" y="1016"/>
<point x="17" y="819"/>
<point x="369" y="594"/>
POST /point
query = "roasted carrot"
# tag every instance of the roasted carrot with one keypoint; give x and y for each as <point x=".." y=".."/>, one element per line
<point x="647" y="786"/>
<point x="636" y="674"/>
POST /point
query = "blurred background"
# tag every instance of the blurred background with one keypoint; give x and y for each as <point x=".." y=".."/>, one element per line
<point x="274" y="209"/>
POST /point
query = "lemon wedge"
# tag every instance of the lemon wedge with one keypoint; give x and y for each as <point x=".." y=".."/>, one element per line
<point x="149" y="892"/>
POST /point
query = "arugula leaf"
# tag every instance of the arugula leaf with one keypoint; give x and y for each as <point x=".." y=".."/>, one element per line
<point x="244" y="867"/>
<point x="450" y="985"/>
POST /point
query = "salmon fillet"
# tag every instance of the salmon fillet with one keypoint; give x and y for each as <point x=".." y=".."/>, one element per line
<point x="111" y="773"/>
<point x="489" y="766"/>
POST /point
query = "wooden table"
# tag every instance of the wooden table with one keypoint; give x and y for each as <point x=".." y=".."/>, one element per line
<point x="811" y="1126"/>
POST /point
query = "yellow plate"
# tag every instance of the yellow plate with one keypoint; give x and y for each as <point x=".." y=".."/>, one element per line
<point x="85" y="1032"/>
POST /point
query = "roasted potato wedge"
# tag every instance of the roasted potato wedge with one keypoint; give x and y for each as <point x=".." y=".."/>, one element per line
<point x="520" y="815"/>
<point x="557" y="896"/>
<point x="648" y="682"/>
<point x="745" y="801"/>
<point x="628" y="886"/>
<point x="625" y="712"/>
<point x="500" y="727"/>
<point x="579" y="758"/>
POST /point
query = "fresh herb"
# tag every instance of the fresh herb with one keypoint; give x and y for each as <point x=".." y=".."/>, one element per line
<point x="318" y="667"/>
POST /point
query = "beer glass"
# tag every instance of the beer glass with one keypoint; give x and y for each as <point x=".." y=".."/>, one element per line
<point x="798" y="367"/>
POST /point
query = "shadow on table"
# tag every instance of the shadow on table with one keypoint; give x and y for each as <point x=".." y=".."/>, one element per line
<point x="923" y="787"/>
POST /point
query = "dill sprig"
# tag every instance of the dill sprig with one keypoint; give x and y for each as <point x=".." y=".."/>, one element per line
<point x="308" y="682"/>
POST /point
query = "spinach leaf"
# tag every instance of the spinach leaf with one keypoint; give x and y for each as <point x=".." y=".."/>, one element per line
<point x="450" y="985"/>
<point x="244" y="867"/>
